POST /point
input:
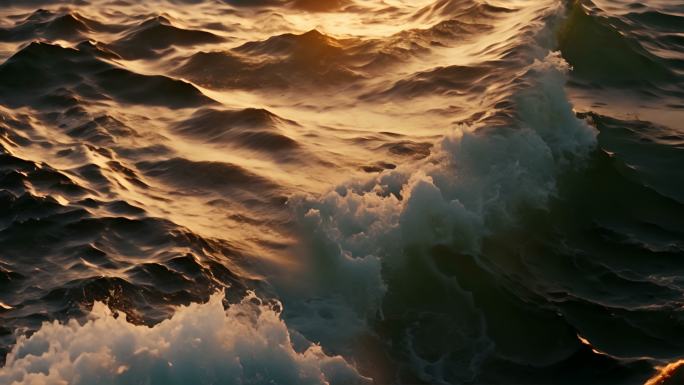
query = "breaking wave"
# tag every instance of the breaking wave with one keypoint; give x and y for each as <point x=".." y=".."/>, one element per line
<point x="201" y="343"/>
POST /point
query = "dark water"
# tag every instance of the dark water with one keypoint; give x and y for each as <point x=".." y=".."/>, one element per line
<point x="341" y="191"/>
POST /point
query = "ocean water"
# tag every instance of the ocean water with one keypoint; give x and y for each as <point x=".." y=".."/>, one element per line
<point x="341" y="192"/>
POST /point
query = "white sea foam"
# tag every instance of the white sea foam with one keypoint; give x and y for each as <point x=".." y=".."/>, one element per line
<point x="200" y="344"/>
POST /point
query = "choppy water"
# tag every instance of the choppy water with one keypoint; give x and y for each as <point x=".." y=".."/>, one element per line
<point x="379" y="191"/>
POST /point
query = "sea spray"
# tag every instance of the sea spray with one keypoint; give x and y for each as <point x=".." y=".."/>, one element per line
<point x="200" y="344"/>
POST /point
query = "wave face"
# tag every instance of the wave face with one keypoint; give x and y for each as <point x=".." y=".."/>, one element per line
<point x="341" y="192"/>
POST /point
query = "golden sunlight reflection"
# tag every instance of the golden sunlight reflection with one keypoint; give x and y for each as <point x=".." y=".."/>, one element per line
<point x="319" y="136"/>
<point x="669" y="374"/>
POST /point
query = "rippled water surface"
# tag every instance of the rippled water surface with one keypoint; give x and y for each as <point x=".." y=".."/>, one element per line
<point x="341" y="192"/>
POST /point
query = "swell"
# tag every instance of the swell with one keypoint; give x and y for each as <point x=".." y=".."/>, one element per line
<point x="153" y="36"/>
<point x="50" y="25"/>
<point x="460" y="9"/>
<point x="252" y="128"/>
<point x="606" y="51"/>
<point x="49" y="74"/>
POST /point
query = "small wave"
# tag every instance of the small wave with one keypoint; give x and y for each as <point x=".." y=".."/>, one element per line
<point x="320" y="5"/>
<point x="103" y="129"/>
<point x="654" y="163"/>
<point x="465" y="10"/>
<point x="599" y="53"/>
<point x="71" y="26"/>
<point x="154" y="35"/>
<point x="253" y="128"/>
<point x="59" y="73"/>
<point x="659" y="20"/>
<point x="218" y="177"/>
<point x="442" y="81"/>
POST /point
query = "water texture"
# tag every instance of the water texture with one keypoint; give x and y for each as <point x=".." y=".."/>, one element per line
<point x="341" y="192"/>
